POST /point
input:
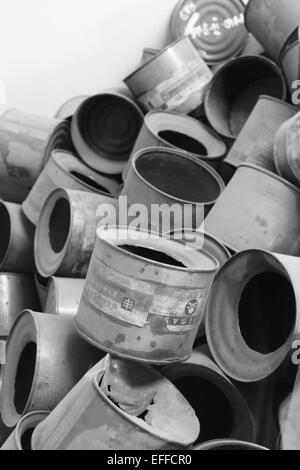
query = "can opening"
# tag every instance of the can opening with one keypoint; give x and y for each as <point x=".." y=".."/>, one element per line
<point x="179" y="177"/>
<point x="267" y="312"/>
<point x="59" y="225"/>
<point x="152" y="255"/>
<point x="5" y="232"/>
<point x="26" y="439"/>
<point x="24" y="376"/>
<point x="210" y="404"/>
<point x="89" y="181"/>
<point x="183" y="142"/>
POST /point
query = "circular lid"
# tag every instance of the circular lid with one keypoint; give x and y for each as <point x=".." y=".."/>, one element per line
<point x="216" y="27"/>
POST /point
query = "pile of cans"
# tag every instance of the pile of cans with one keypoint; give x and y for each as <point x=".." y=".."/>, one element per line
<point x="150" y="248"/>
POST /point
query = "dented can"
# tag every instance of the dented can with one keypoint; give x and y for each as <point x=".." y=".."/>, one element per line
<point x="272" y="22"/>
<point x="45" y="358"/>
<point x="255" y="143"/>
<point x="235" y="90"/>
<point x="65" y="170"/>
<point x="66" y="232"/>
<point x="253" y="314"/>
<point x="64" y="295"/>
<point x="87" y="419"/>
<point x="216" y="28"/>
<point x="20" y="439"/>
<point x="174" y="80"/>
<point x="180" y="132"/>
<point x="144" y="296"/>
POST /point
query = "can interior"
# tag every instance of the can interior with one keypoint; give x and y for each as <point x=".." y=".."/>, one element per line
<point x="178" y="177"/>
<point x="89" y="182"/>
<point x="59" y="225"/>
<point x="24" y="376"/>
<point x="153" y="255"/>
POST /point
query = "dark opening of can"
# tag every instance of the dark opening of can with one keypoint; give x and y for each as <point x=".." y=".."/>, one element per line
<point x="152" y="255"/>
<point x="184" y="142"/>
<point x="59" y="225"/>
<point x="267" y="312"/>
<point x="5" y="232"/>
<point x="211" y="407"/>
<point x="24" y="376"/>
<point x="89" y="182"/>
<point x="179" y="177"/>
<point x="26" y="439"/>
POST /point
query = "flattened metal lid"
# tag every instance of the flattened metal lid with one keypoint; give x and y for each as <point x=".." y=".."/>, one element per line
<point x="216" y="27"/>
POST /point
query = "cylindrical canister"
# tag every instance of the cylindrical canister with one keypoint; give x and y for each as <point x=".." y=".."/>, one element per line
<point x="16" y="240"/>
<point x="258" y="209"/>
<point x="69" y="108"/>
<point x="174" y="80"/>
<point x="162" y="178"/>
<point x="66" y="232"/>
<point x="45" y="358"/>
<point x="255" y="143"/>
<point x="64" y="296"/>
<point x="220" y="408"/>
<point x="272" y="22"/>
<point x="20" y="439"/>
<point x="235" y="90"/>
<point x="253" y="314"/>
<point x="64" y="170"/>
<point x="144" y="296"/>
<point x="287" y="150"/>
<point x="104" y="130"/>
<point x="25" y="143"/>
<point x="216" y="28"/>
<point x="89" y="418"/>
<point x="230" y="445"/>
<point x="177" y="131"/>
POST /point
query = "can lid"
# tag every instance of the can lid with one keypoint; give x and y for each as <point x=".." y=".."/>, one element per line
<point x="216" y="27"/>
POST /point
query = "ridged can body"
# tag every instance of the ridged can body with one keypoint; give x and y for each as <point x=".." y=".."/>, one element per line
<point x="65" y="170"/>
<point x="180" y="132"/>
<point x="255" y="142"/>
<point x="161" y="177"/>
<point x="141" y="309"/>
<point x="216" y="27"/>
<point x="45" y="360"/>
<point x="258" y="209"/>
<point x="235" y="90"/>
<point x="26" y="425"/>
<point x="253" y="314"/>
<point x="88" y="420"/>
<point x="174" y="80"/>
<point x="272" y="22"/>
<point x="66" y="232"/>
<point x="16" y="240"/>
<point x="64" y="296"/>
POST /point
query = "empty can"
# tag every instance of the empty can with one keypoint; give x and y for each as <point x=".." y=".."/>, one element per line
<point x="253" y="314"/>
<point x="177" y="131"/>
<point x="104" y="130"/>
<point x="216" y="28"/>
<point x="255" y="143"/>
<point x="235" y="90"/>
<point x="144" y="296"/>
<point x="174" y="80"/>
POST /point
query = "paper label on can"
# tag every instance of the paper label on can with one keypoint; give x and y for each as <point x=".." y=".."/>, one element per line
<point x="178" y="88"/>
<point x="138" y="302"/>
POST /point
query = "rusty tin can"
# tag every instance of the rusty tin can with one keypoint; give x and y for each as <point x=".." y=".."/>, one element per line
<point x="272" y="22"/>
<point x="253" y="314"/>
<point x="104" y="130"/>
<point x="20" y="439"/>
<point x="64" y="295"/>
<point x="177" y="131"/>
<point x="66" y="171"/>
<point x="258" y="209"/>
<point x="235" y="90"/>
<point x="87" y="419"/>
<point x="174" y="80"/>
<point x="45" y="358"/>
<point x="255" y="143"/>
<point x="144" y="297"/>
<point x="162" y="177"/>
<point x="216" y="28"/>
<point x="66" y="232"/>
